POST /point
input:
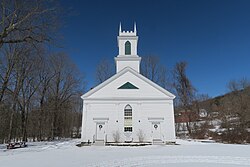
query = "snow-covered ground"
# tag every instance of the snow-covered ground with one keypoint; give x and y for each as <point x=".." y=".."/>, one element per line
<point x="66" y="154"/>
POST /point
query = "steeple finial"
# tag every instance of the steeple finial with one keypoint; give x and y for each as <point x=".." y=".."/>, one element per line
<point x="135" y="27"/>
<point x="120" y="28"/>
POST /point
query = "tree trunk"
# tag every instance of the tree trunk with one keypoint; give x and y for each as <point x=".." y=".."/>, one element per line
<point x="11" y="123"/>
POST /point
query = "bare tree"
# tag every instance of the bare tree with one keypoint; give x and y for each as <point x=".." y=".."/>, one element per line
<point x="65" y="84"/>
<point x="9" y="56"/>
<point x="236" y="111"/>
<point x="39" y="93"/>
<point x="184" y="89"/>
<point x="19" y="73"/>
<point x="30" y="85"/>
<point x="45" y="77"/>
<point x="150" y="67"/>
<point x="27" y="21"/>
<point x="155" y="71"/>
<point x="104" y="70"/>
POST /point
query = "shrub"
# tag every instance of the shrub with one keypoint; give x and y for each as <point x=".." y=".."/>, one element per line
<point x="116" y="136"/>
<point x="141" y="135"/>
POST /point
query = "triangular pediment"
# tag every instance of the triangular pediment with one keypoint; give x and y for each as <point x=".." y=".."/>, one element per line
<point x="128" y="85"/>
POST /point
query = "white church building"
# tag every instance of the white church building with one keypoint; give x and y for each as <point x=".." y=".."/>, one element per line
<point x="128" y="107"/>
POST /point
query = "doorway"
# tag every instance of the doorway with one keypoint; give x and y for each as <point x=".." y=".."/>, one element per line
<point x="156" y="131"/>
<point x="100" y="131"/>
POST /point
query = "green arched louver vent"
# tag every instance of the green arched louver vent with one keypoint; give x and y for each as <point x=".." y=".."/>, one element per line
<point x="128" y="85"/>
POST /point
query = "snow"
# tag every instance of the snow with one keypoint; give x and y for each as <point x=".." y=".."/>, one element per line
<point x="186" y="153"/>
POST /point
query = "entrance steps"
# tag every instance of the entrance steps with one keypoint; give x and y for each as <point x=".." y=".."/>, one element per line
<point x="99" y="143"/>
<point x="158" y="142"/>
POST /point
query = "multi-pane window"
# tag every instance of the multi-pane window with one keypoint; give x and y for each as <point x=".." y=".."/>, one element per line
<point x="128" y="119"/>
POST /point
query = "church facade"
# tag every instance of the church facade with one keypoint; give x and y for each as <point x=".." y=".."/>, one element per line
<point x="128" y="107"/>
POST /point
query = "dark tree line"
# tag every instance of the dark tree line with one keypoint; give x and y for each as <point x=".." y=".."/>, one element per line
<point x="39" y="94"/>
<point x="229" y="113"/>
<point x="234" y="112"/>
<point x="39" y="91"/>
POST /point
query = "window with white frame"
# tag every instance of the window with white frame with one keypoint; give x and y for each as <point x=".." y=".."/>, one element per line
<point x="128" y="118"/>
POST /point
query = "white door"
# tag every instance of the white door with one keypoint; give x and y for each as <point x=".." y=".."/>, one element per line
<point x="100" y="131"/>
<point x="156" y="130"/>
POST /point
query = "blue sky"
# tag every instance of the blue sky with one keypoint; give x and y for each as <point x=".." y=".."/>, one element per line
<point x="213" y="36"/>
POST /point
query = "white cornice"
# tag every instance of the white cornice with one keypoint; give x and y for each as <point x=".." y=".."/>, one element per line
<point x="127" y="58"/>
<point x="127" y="99"/>
<point x="127" y="37"/>
<point x="123" y="71"/>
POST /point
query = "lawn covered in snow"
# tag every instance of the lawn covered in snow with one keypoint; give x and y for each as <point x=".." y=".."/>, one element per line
<point x="66" y="154"/>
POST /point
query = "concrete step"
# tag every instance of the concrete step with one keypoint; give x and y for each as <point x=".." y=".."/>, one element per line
<point x="99" y="143"/>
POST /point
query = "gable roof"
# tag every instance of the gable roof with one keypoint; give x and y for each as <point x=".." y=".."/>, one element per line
<point x="120" y="73"/>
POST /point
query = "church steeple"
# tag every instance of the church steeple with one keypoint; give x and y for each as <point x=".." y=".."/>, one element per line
<point x="127" y="44"/>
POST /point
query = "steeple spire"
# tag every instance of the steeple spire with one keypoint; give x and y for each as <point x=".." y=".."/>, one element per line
<point x="120" y="28"/>
<point x="135" y="27"/>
